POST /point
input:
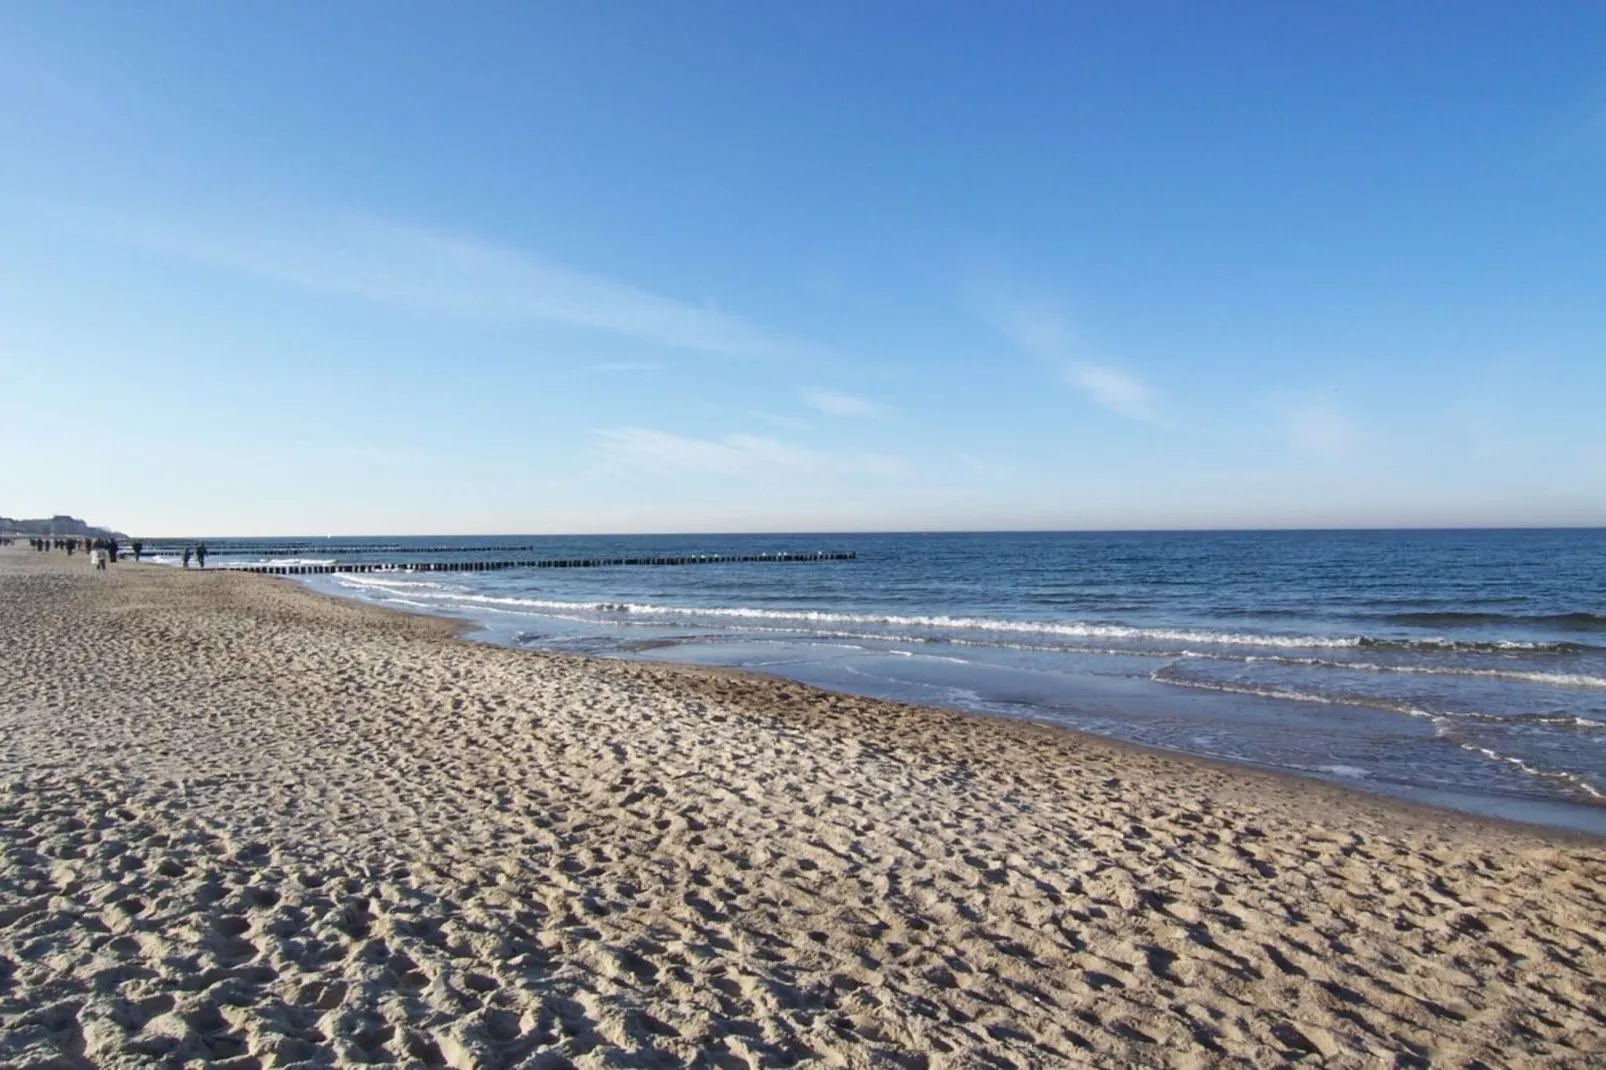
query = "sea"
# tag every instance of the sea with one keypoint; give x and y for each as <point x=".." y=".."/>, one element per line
<point x="1463" y="669"/>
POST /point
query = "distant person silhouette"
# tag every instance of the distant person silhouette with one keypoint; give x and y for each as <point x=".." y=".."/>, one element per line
<point x="200" y="554"/>
<point x="186" y="557"/>
<point x="138" y="548"/>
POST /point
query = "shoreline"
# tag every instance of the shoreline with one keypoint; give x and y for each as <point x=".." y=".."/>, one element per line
<point x="1346" y="794"/>
<point x="366" y="836"/>
<point x="1402" y="799"/>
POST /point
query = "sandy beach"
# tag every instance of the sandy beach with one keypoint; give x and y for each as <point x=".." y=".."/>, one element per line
<point x="247" y="826"/>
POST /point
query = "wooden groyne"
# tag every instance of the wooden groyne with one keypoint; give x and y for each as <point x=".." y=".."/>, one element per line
<point x="302" y="549"/>
<point x="572" y="562"/>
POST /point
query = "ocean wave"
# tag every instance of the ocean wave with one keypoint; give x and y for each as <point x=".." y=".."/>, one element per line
<point x="390" y="582"/>
<point x="1573" y="780"/>
<point x="1161" y="676"/>
<point x="1569" y="720"/>
<point x="1518" y="720"/>
<point x="1077" y="629"/>
<point x="1558" y="679"/>
<point x="952" y="640"/>
<point x="1474" y="646"/>
<point x="1353" y="772"/>
<point x="948" y="623"/>
<point x="1443" y="718"/>
<point x="1571" y="622"/>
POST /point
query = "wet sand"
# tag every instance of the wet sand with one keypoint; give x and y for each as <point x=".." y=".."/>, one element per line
<point x="249" y="826"/>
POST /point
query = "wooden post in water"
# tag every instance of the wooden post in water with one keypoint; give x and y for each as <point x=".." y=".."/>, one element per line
<point x="566" y="562"/>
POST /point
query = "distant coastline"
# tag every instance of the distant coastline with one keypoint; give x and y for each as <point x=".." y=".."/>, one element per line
<point x="59" y="525"/>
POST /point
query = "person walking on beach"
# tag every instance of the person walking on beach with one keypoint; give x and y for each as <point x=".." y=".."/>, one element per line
<point x="200" y="554"/>
<point x="186" y="557"/>
<point x="138" y="548"/>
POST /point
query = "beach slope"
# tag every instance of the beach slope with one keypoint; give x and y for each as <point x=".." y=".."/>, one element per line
<point x="247" y="825"/>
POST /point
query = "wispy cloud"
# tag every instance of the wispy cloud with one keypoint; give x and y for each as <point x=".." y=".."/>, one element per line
<point x="1322" y="428"/>
<point x="1039" y="330"/>
<point x="778" y="419"/>
<point x="442" y="273"/>
<point x="614" y="367"/>
<point x="736" y="455"/>
<point x="1113" y="389"/>
<point x="834" y="404"/>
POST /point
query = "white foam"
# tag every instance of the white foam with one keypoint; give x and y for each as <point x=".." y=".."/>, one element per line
<point x="1289" y="694"/>
<point x="1351" y="771"/>
<point x="1572" y="779"/>
<point x="389" y="581"/>
<point x="1559" y="679"/>
<point x="1074" y="629"/>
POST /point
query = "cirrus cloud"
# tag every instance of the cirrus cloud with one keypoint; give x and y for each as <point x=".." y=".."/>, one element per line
<point x="737" y="455"/>
<point x="1038" y="330"/>
<point x="1113" y="389"/>
<point x="834" y="404"/>
<point x="437" y="272"/>
<point x="1320" y="427"/>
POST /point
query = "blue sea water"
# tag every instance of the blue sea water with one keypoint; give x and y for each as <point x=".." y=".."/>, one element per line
<point x="1461" y="668"/>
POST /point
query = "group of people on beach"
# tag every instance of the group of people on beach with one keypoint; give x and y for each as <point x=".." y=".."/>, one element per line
<point x="101" y="551"/>
<point x="104" y="551"/>
<point x="72" y="545"/>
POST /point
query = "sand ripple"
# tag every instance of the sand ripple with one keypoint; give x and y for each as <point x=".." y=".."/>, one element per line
<point x="248" y="827"/>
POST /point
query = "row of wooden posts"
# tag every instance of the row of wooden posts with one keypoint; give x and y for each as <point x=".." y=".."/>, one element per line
<point x="584" y="562"/>
<point x="302" y="549"/>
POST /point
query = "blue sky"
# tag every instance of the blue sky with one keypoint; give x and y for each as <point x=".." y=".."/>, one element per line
<point x="366" y="267"/>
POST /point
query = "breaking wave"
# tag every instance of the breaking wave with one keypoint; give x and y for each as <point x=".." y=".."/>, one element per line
<point x="940" y="622"/>
<point x="1567" y="622"/>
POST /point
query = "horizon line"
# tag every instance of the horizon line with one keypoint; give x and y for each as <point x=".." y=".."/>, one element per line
<point x="889" y="531"/>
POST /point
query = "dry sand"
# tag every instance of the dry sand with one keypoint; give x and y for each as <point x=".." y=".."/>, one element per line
<point x="247" y="826"/>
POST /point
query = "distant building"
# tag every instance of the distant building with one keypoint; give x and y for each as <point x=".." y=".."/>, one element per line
<point x="58" y="525"/>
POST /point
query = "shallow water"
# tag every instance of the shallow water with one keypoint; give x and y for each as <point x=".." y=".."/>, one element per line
<point x="1464" y="668"/>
